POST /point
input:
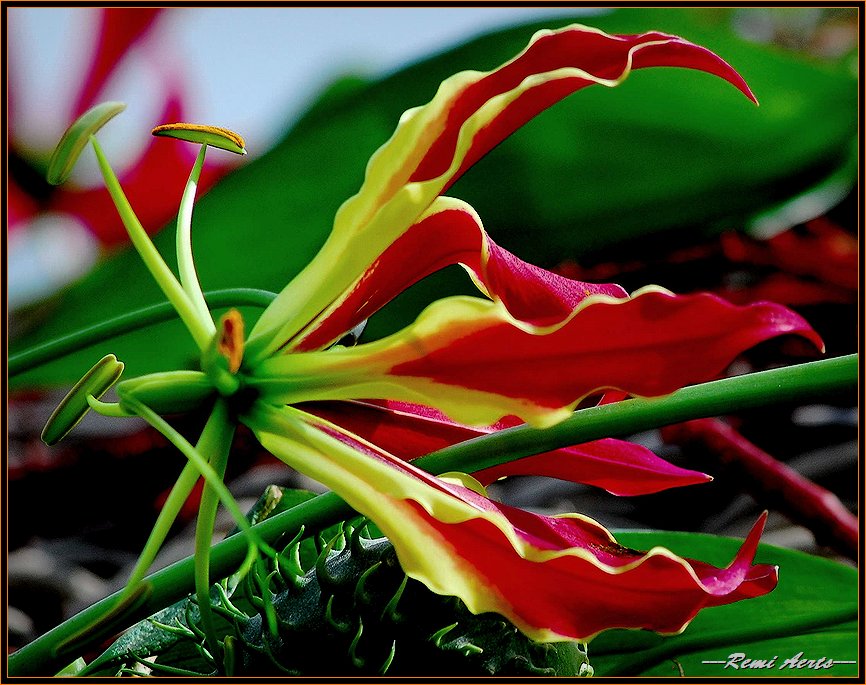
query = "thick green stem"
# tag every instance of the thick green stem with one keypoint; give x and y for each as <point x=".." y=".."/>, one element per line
<point x="726" y="396"/>
<point x="185" y="262"/>
<point x="802" y="383"/>
<point x="202" y="330"/>
<point x="126" y="323"/>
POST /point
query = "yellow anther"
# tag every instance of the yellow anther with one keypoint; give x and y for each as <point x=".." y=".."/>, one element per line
<point x="215" y="136"/>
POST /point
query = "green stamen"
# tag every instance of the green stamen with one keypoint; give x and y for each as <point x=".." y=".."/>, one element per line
<point x="112" y="409"/>
<point x="215" y="136"/>
<point x="186" y="265"/>
<point x="201" y="329"/>
<point x="178" y="495"/>
<point x="219" y="437"/>
<point x="215" y="442"/>
<point x="75" y="137"/>
<point x="74" y="406"/>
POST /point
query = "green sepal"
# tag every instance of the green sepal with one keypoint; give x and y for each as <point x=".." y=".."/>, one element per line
<point x="74" y="406"/>
<point x="215" y="136"/>
<point x="75" y="138"/>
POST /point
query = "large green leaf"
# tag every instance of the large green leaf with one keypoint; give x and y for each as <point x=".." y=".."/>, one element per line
<point x="813" y="610"/>
<point x="669" y="151"/>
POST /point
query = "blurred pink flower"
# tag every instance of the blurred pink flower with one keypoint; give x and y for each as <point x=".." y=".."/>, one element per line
<point x="57" y="233"/>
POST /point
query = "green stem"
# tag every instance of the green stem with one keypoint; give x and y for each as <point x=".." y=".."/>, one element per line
<point x="173" y="504"/>
<point x="216" y="436"/>
<point x="802" y="383"/>
<point x="201" y="330"/>
<point x="218" y="454"/>
<point x="47" y="654"/>
<point x="185" y="263"/>
<point x="112" y="409"/>
<point x="126" y="323"/>
<point x="725" y="396"/>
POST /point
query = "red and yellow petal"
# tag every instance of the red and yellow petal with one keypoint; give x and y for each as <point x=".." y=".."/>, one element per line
<point x="434" y="144"/>
<point x="450" y="232"/>
<point x="555" y="578"/>
<point x="474" y="111"/>
<point x="469" y="359"/>
<point x="578" y="596"/>
<point x="410" y="431"/>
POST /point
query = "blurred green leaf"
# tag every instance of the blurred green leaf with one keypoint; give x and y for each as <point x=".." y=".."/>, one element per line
<point x="669" y="151"/>
<point x="813" y="610"/>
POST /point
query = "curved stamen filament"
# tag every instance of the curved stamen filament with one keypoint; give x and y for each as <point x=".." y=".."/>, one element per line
<point x="194" y="455"/>
<point x="201" y="329"/>
<point x="186" y="266"/>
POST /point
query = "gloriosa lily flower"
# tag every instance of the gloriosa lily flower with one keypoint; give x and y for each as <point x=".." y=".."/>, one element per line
<point x="533" y="348"/>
